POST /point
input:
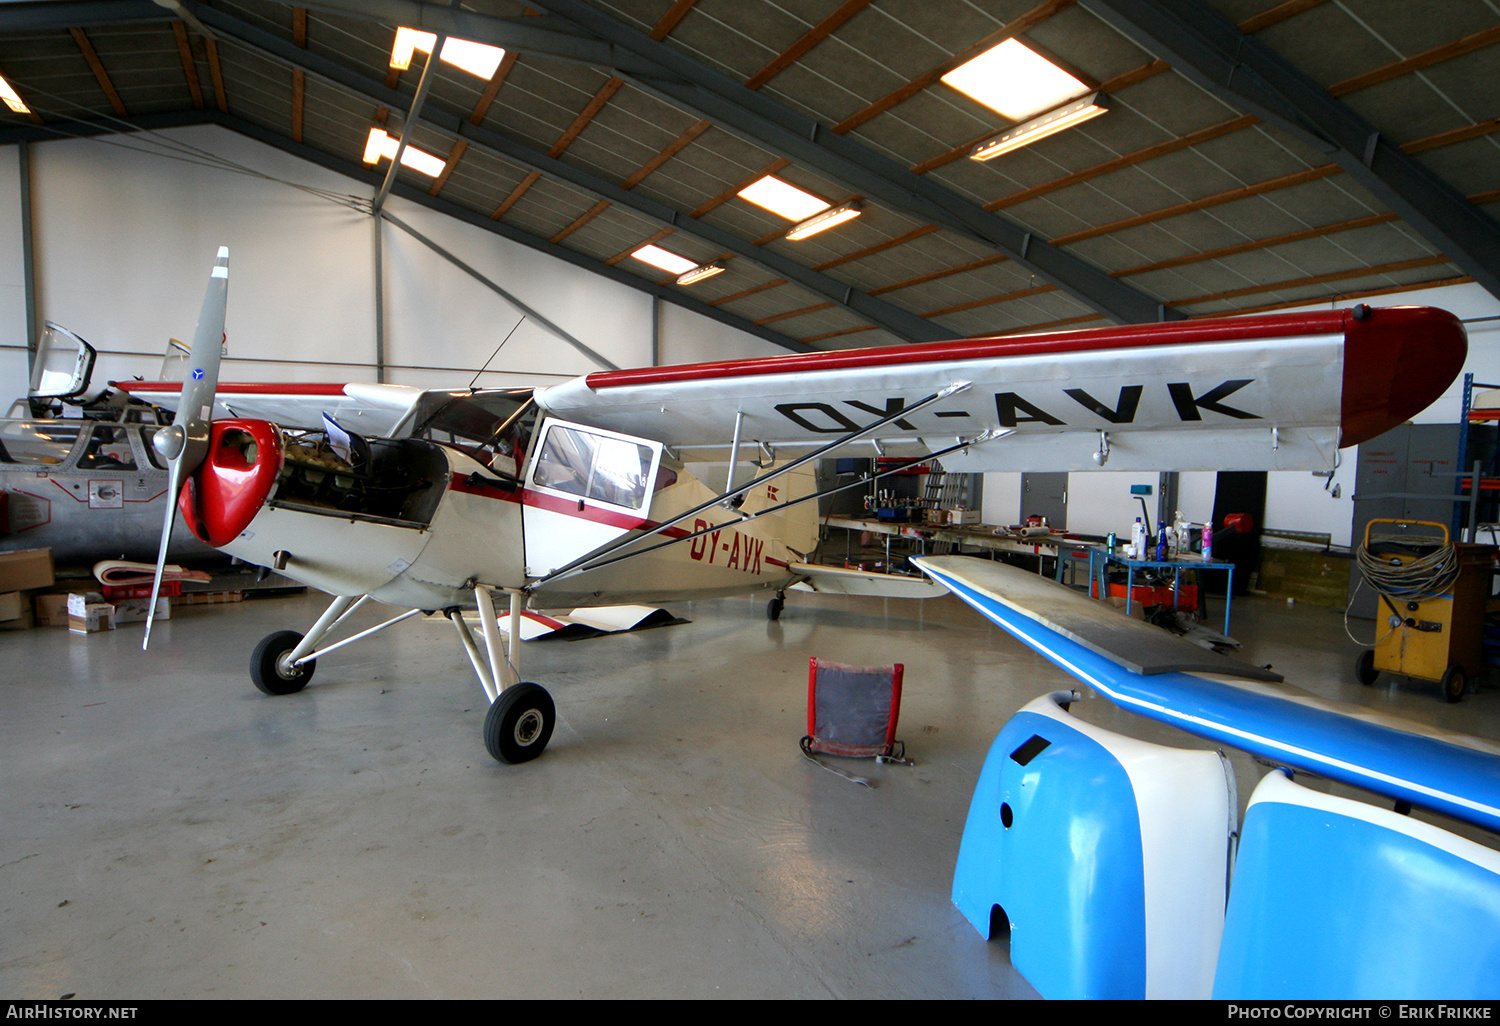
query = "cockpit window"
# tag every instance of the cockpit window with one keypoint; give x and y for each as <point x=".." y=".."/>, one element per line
<point x="39" y="442"/>
<point x="578" y="462"/>
<point x="108" y="449"/>
<point x="493" y="428"/>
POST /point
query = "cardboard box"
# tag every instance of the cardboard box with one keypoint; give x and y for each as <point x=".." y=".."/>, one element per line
<point x="134" y="610"/>
<point x="85" y="617"/>
<point x="26" y="570"/>
<point x="15" y="611"/>
<point x="51" y="609"/>
<point x="205" y="598"/>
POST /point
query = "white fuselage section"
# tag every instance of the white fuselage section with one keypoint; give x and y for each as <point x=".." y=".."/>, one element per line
<point x="484" y="534"/>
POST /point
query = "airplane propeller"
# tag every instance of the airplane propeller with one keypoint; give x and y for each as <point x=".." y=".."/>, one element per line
<point x="184" y="442"/>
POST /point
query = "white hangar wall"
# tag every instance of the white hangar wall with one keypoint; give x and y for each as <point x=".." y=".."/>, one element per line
<point x="125" y="229"/>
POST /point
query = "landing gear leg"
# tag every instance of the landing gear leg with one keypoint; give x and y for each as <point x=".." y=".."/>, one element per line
<point x="273" y="664"/>
<point x="521" y="715"/>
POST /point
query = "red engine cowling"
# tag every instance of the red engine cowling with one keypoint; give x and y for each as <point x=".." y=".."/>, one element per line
<point x="221" y="497"/>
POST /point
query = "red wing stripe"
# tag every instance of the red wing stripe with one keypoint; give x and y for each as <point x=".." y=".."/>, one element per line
<point x="232" y="388"/>
<point x="1321" y="322"/>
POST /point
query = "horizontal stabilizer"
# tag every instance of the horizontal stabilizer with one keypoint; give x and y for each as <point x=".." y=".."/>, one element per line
<point x="1455" y="774"/>
<point x="839" y="580"/>
<point x="591" y="622"/>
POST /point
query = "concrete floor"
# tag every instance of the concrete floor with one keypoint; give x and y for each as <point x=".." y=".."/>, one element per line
<point x="167" y="831"/>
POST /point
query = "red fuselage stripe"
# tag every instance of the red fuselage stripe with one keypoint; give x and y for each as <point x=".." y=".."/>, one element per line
<point x="558" y="504"/>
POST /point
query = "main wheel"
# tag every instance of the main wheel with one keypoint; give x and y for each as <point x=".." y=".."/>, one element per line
<point x="268" y="670"/>
<point x="1455" y="683"/>
<point x="519" y="723"/>
<point x="1364" y="667"/>
<point x="774" y="608"/>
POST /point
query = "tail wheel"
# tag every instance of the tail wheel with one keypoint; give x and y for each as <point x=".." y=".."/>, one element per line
<point x="270" y="669"/>
<point x="519" y="723"/>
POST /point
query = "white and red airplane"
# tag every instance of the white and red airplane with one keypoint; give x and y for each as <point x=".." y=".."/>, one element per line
<point x="579" y="494"/>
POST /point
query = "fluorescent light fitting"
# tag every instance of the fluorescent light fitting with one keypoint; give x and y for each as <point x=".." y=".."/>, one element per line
<point x="783" y="198"/>
<point x="381" y="145"/>
<point x="1028" y="132"/>
<point x="1015" y="80"/>
<point x="665" y="259"/>
<point x="478" y="59"/>
<point x="12" y="100"/>
<point x="824" y="221"/>
<point x="699" y="273"/>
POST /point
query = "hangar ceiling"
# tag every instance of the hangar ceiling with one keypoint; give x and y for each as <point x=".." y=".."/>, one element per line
<point x="1254" y="155"/>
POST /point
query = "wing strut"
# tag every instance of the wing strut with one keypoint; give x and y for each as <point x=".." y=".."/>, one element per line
<point x="956" y="387"/>
<point x="596" y="560"/>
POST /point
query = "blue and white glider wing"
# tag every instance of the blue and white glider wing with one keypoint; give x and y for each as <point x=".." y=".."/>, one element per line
<point x="1149" y="672"/>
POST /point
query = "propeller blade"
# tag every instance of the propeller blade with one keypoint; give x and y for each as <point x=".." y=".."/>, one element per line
<point x="174" y="483"/>
<point x="208" y="342"/>
<point x="184" y="443"/>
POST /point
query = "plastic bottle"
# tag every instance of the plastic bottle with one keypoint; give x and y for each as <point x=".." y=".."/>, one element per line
<point x="1161" y="543"/>
<point x="1138" y="539"/>
<point x="1208" y="539"/>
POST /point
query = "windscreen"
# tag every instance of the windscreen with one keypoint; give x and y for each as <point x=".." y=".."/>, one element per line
<point x="63" y="364"/>
<point x="491" y="427"/>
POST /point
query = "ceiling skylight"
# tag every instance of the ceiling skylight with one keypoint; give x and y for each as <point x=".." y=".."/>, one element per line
<point x="783" y="199"/>
<point x="665" y="259"/>
<point x="12" y="100"/>
<point x="380" y="145"/>
<point x="475" y="58"/>
<point x="1014" y="80"/>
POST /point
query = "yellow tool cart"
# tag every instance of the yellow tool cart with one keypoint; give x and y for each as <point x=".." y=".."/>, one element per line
<point x="1430" y="618"/>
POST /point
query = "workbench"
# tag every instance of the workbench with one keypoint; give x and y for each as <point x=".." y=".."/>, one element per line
<point x="1053" y="546"/>
<point x="1100" y="559"/>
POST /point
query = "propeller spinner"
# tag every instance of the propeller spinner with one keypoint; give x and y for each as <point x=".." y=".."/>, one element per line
<point x="184" y="442"/>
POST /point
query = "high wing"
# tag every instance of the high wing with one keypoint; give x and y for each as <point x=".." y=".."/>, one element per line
<point x="363" y="407"/>
<point x="1281" y="391"/>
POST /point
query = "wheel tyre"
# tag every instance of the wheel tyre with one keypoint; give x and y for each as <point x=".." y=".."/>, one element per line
<point x="774" y="608"/>
<point x="519" y="723"/>
<point x="1455" y="683"/>
<point x="1364" y="667"/>
<point x="265" y="665"/>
